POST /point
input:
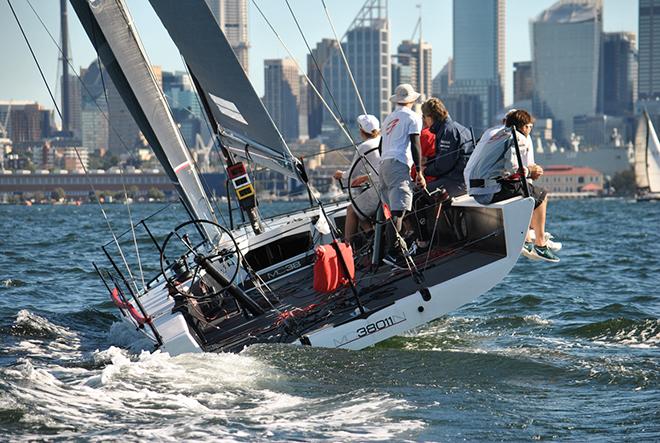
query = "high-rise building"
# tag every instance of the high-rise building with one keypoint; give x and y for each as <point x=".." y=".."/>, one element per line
<point x="443" y="80"/>
<point x="619" y="73"/>
<point x="316" y="62"/>
<point x="74" y="104"/>
<point x="479" y="56"/>
<point x="124" y="133"/>
<point x="232" y="16"/>
<point x="367" y="49"/>
<point x="649" y="55"/>
<point x="23" y="120"/>
<point x="180" y="93"/>
<point x="566" y="48"/>
<point x="94" y="108"/>
<point x="414" y="69"/>
<point x="523" y="82"/>
<point x="282" y="95"/>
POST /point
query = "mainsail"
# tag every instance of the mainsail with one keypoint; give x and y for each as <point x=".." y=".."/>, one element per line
<point x="653" y="158"/>
<point x="110" y="28"/>
<point x="647" y="155"/>
<point x="246" y="128"/>
<point x="641" y="140"/>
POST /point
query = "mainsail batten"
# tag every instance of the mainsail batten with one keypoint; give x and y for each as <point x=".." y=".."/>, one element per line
<point x="109" y="27"/>
<point x="246" y="127"/>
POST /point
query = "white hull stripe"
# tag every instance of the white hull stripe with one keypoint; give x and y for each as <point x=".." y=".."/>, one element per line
<point x="182" y="166"/>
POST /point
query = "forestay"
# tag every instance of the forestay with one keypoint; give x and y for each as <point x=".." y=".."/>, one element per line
<point x="110" y="28"/>
<point x="246" y="128"/>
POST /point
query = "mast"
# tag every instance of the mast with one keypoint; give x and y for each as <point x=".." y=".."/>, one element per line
<point x="64" y="30"/>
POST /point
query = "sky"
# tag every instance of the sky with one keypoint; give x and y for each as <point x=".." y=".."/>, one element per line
<point x="20" y="80"/>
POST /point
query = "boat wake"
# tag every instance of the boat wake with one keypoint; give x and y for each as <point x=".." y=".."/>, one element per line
<point x="198" y="396"/>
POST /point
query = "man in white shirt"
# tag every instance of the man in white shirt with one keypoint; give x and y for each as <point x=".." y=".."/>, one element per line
<point x="401" y="149"/>
<point x="492" y="175"/>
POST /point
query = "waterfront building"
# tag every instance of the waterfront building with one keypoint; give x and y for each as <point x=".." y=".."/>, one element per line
<point x="566" y="48"/>
<point x="232" y="16"/>
<point x="479" y="57"/>
<point x="619" y="73"/>
<point x="282" y="95"/>
<point x="562" y="179"/>
<point x="649" y="56"/>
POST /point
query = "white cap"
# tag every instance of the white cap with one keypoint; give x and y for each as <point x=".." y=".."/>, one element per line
<point x="368" y="123"/>
<point x="405" y="93"/>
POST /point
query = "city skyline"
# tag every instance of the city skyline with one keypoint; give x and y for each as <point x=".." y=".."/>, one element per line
<point x="22" y="82"/>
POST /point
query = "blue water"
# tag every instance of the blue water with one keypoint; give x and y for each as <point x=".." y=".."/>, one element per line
<point x="566" y="351"/>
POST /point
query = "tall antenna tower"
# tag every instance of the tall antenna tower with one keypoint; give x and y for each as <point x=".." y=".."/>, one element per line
<point x="64" y="28"/>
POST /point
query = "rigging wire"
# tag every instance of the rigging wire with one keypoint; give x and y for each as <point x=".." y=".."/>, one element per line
<point x="106" y="116"/>
<point x="59" y="112"/>
<point x="316" y="64"/>
<point x="343" y="56"/>
<point x="412" y="268"/>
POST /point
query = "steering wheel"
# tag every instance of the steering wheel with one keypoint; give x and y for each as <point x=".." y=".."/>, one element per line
<point x="198" y="256"/>
<point x="352" y="197"/>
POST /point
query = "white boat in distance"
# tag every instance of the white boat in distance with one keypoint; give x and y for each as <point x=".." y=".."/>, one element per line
<point x="222" y="288"/>
<point x="647" y="160"/>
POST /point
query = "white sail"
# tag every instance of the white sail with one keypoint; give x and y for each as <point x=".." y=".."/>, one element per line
<point x="641" y="138"/>
<point x="653" y="158"/>
<point x="110" y="28"/>
<point x="247" y="129"/>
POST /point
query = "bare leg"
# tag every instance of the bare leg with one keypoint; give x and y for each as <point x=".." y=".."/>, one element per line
<point x="351" y="224"/>
<point x="538" y="223"/>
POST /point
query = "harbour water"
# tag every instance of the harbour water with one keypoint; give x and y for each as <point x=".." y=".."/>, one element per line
<point x="567" y="351"/>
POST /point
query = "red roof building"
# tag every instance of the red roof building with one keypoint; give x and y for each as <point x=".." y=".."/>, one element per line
<point x="571" y="179"/>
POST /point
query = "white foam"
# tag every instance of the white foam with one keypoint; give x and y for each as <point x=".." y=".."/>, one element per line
<point x="206" y="397"/>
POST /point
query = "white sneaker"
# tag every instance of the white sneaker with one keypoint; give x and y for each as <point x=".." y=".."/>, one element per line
<point x="555" y="246"/>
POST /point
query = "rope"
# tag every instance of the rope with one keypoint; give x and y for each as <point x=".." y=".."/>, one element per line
<point x="59" y="112"/>
<point x="343" y="56"/>
<point x="318" y="68"/>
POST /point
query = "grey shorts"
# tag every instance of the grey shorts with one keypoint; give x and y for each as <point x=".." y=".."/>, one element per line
<point x="396" y="185"/>
<point x="366" y="203"/>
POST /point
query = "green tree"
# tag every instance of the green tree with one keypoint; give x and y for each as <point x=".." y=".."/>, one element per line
<point x="624" y="182"/>
<point x="57" y="194"/>
<point x="133" y="191"/>
<point x="156" y="194"/>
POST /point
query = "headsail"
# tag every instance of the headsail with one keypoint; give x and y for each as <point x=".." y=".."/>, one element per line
<point x="110" y="28"/>
<point x="653" y="158"/>
<point x="247" y="129"/>
<point x="641" y="141"/>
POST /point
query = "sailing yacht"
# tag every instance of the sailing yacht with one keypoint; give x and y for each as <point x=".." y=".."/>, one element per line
<point x="647" y="160"/>
<point x="221" y="288"/>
